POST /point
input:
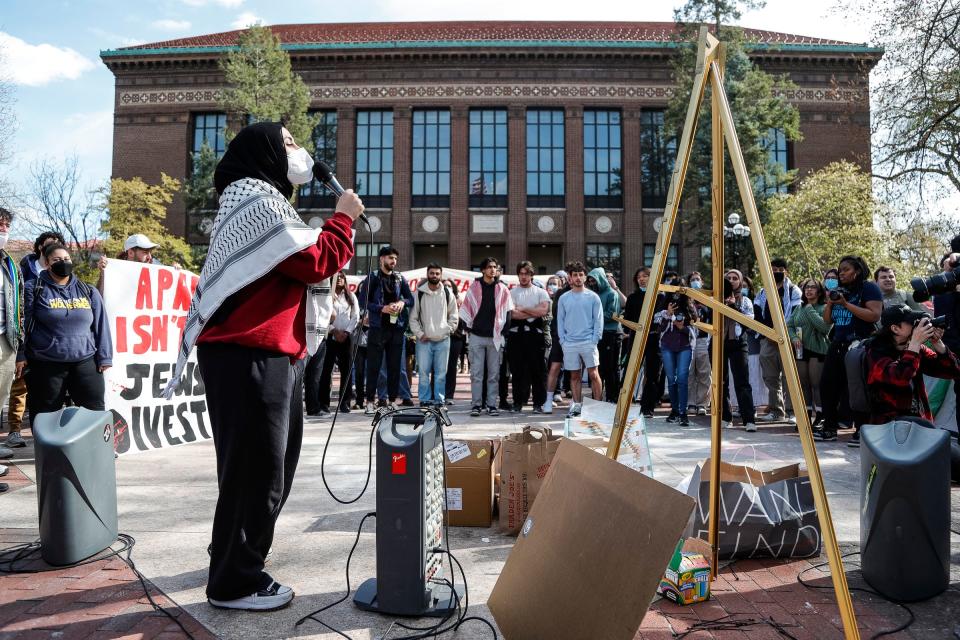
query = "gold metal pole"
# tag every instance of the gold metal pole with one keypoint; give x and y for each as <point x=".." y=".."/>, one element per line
<point x="719" y="307"/>
<point x="717" y="360"/>
<point x="706" y="52"/>
<point x="844" y="601"/>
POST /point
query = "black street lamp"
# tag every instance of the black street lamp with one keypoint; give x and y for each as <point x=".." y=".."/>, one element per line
<point x="738" y="234"/>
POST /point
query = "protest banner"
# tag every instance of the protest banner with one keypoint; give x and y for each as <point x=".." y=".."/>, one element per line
<point x="459" y="277"/>
<point x="146" y="307"/>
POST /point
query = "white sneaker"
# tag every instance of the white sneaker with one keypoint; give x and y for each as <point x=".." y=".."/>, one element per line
<point x="750" y="427"/>
<point x="548" y="407"/>
<point x="727" y="424"/>
<point x="3" y="470"/>
<point x="275" y="596"/>
<point x="369" y="409"/>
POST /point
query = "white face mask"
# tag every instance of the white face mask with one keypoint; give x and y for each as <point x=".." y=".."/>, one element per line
<point x="299" y="167"/>
<point x="3" y="239"/>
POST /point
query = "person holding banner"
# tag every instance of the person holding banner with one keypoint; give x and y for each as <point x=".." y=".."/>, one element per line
<point x="68" y="344"/>
<point x="255" y="315"/>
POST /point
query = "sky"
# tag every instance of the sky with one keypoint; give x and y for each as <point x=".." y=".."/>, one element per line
<point x="64" y="94"/>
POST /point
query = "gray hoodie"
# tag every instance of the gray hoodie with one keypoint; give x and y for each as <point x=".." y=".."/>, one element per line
<point x="435" y="314"/>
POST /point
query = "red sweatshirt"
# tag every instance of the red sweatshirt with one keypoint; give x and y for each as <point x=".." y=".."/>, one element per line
<point x="270" y="314"/>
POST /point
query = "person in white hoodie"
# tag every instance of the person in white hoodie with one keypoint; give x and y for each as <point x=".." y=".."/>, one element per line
<point x="433" y="319"/>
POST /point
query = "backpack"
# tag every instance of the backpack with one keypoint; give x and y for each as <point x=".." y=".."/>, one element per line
<point x="446" y="294"/>
<point x="855" y="363"/>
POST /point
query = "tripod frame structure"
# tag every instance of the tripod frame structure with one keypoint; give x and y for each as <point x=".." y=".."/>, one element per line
<point x="711" y="57"/>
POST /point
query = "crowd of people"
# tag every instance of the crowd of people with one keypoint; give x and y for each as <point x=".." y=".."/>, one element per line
<point x="534" y="345"/>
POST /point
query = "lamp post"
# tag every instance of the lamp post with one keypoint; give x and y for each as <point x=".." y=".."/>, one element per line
<point x="738" y="234"/>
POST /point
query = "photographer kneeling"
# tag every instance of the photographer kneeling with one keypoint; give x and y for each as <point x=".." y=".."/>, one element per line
<point x="898" y="357"/>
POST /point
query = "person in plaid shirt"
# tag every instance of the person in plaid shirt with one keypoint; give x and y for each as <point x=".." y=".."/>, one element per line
<point x="897" y="359"/>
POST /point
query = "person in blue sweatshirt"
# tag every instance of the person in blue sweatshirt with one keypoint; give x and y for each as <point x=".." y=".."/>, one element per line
<point x="580" y="327"/>
<point x="68" y="344"/>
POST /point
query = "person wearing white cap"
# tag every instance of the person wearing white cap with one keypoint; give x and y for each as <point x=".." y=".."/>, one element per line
<point x="139" y="248"/>
<point x="136" y="248"/>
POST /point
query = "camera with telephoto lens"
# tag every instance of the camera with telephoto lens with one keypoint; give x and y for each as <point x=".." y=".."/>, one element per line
<point x="940" y="322"/>
<point x="836" y="294"/>
<point x="944" y="282"/>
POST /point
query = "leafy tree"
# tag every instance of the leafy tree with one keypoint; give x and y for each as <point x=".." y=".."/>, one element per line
<point x="262" y="84"/>
<point x="8" y="125"/>
<point x="832" y="213"/>
<point x="54" y="198"/>
<point x="133" y="206"/>
<point x="715" y="12"/>
<point x="757" y="106"/>
<point x="917" y="99"/>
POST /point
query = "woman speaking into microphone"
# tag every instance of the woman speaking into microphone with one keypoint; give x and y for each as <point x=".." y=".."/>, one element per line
<point x="254" y="317"/>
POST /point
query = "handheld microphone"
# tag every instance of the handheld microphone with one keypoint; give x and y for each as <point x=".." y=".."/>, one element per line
<point x="323" y="174"/>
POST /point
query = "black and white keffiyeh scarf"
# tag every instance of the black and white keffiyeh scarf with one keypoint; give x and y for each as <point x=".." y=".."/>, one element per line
<point x="255" y="230"/>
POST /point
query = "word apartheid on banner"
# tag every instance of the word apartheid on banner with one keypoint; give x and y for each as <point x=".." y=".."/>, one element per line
<point x="147" y="308"/>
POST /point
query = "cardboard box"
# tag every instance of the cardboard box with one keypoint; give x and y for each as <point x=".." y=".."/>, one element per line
<point x="469" y="476"/>
<point x="591" y="553"/>
<point x="687" y="578"/>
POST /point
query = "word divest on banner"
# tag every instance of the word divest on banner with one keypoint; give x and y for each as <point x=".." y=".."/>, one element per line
<point x="147" y="309"/>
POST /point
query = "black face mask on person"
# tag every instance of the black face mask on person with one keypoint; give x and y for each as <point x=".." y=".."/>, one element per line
<point x="61" y="269"/>
<point x="778" y="277"/>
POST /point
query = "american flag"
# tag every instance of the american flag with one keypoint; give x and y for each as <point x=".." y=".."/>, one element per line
<point x="478" y="187"/>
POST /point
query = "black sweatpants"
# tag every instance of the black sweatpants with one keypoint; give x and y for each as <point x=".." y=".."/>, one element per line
<point x="525" y="350"/>
<point x="653" y="375"/>
<point x="384" y="341"/>
<point x="255" y="400"/>
<point x="834" y="393"/>
<point x="456" y="346"/>
<point x="609" y="365"/>
<point x="338" y="353"/>
<point x="49" y="382"/>
<point x="360" y="374"/>
<point x="313" y="367"/>
<point x="736" y="353"/>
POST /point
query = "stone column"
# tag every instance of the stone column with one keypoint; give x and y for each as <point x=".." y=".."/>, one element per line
<point x="574" y="224"/>
<point x="516" y="222"/>
<point x="458" y="233"/>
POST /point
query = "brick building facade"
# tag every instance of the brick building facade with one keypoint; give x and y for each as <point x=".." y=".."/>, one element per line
<point x="522" y="140"/>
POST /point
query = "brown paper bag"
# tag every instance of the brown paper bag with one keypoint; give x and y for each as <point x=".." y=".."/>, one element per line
<point x="525" y="459"/>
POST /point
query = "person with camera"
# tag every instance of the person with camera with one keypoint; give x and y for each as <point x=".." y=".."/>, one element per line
<point x="701" y="375"/>
<point x="853" y="306"/>
<point x="677" y="339"/>
<point x="946" y="302"/>
<point x="907" y="347"/>
<point x="735" y="351"/>
<point x="810" y="337"/>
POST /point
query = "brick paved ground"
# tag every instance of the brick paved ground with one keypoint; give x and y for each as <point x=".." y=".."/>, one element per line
<point x="105" y="599"/>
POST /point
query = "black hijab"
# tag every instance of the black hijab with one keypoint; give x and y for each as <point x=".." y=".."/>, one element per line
<point x="256" y="152"/>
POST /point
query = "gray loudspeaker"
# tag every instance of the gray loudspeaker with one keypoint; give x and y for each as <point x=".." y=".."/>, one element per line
<point x="76" y="483"/>
<point x="905" y="509"/>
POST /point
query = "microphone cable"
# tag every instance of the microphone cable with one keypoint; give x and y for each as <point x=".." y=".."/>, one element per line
<point x="357" y="332"/>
